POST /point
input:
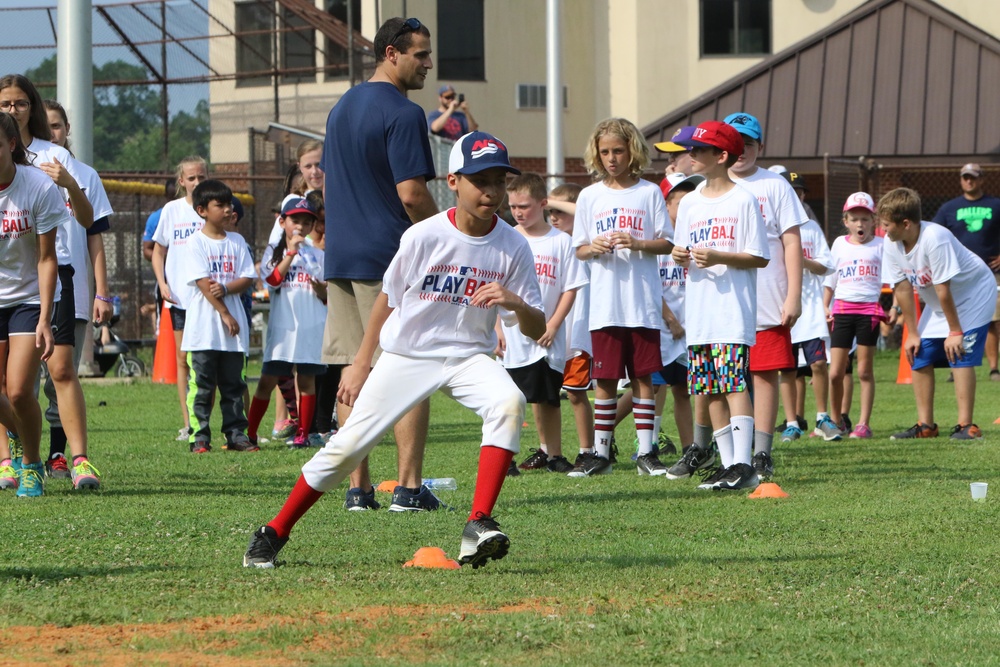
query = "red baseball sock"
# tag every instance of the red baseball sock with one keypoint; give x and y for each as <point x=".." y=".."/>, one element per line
<point x="299" y="501"/>
<point x="493" y="464"/>
<point x="307" y="410"/>
<point x="258" y="406"/>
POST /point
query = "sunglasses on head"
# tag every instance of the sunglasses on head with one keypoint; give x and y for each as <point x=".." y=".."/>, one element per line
<point x="409" y="25"/>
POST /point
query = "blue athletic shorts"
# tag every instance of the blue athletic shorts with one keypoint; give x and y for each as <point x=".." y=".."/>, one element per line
<point x="673" y="373"/>
<point x="931" y="352"/>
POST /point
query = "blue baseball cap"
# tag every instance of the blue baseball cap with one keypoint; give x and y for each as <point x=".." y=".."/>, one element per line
<point x="476" y="152"/>
<point x="238" y="208"/>
<point x="746" y="124"/>
<point x="298" y="205"/>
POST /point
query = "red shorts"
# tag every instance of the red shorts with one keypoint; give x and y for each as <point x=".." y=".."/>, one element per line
<point x="618" y="350"/>
<point x="576" y="375"/>
<point x="773" y="350"/>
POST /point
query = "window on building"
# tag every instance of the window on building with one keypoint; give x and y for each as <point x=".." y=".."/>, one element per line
<point x="254" y="56"/>
<point x="459" y="50"/>
<point x="298" y="48"/>
<point x="337" y="61"/>
<point x="735" y="27"/>
<point x="533" y="96"/>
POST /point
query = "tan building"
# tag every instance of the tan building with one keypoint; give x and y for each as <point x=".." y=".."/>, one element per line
<point x="639" y="59"/>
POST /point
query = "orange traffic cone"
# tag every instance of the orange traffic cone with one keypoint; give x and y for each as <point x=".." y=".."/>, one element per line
<point x="432" y="557"/>
<point x="905" y="374"/>
<point x="768" y="490"/>
<point x="165" y="356"/>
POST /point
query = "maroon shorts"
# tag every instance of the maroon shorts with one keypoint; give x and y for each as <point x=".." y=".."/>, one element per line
<point x="773" y="350"/>
<point x="621" y="349"/>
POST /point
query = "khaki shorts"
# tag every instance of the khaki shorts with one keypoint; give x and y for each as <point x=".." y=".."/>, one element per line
<point x="349" y="304"/>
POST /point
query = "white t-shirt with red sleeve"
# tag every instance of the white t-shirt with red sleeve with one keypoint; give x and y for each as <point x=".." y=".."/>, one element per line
<point x="298" y="316"/>
<point x="432" y="278"/>
<point x="178" y="223"/>
<point x="781" y="209"/>
<point x="30" y="205"/>
<point x="223" y="260"/>
<point x="938" y="257"/>
<point x="625" y="287"/>
<point x="720" y="305"/>
<point x="812" y="324"/>
<point x="558" y="271"/>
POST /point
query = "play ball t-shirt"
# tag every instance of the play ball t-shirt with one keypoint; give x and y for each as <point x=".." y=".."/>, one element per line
<point x="29" y="206"/>
<point x="720" y="305"/>
<point x="625" y="289"/>
<point x="295" y="327"/>
<point x="432" y="279"/>
<point x="178" y="223"/>
<point x="223" y="260"/>
<point x="558" y="271"/>
<point x="812" y="324"/>
<point x="781" y="209"/>
<point x="938" y="257"/>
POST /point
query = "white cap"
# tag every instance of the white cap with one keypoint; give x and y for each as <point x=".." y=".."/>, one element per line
<point x="860" y="200"/>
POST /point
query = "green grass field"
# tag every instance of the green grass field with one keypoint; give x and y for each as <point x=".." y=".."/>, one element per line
<point x="878" y="557"/>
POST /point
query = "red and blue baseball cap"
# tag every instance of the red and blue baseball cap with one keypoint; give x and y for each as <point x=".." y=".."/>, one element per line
<point x="746" y="124"/>
<point x="711" y="133"/>
<point x="478" y="151"/>
<point x="298" y="205"/>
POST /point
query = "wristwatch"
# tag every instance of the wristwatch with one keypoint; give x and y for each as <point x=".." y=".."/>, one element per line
<point x="899" y="311"/>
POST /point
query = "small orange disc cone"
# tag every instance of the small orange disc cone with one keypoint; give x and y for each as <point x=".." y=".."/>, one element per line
<point x="768" y="490"/>
<point x="997" y="420"/>
<point x="388" y="486"/>
<point x="432" y="557"/>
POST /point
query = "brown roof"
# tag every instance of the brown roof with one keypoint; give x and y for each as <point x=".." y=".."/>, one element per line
<point x="902" y="79"/>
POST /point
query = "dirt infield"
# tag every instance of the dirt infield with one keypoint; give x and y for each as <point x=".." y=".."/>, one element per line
<point x="238" y="640"/>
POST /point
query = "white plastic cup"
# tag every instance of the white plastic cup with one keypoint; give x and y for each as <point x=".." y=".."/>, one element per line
<point x="978" y="490"/>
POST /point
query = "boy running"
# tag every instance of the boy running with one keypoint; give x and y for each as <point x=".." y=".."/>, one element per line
<point x="453" y="275"/>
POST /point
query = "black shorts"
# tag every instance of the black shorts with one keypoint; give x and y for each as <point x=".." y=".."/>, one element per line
<point x="64" y="315"/>
<point x="177" y="317"/>
<point x="538" y="382"/>
<point x="847" y="328"/>
<point x="279" y="368"/>
<point x="19" y="320"/>
<point x="671" y="374"/>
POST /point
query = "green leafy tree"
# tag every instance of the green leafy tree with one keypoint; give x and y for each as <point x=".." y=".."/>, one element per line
<point x="128" y="132"/>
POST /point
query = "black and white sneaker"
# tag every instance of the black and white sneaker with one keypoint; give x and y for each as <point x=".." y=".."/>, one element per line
<point x="537" y="460"/>
<point x="512" y="470"/>
<point x="482" y="540"/>
<point x="649" y="464"/>
<point x="763" y="465"/>
<point x="263" y="549"/>
<point x="359" y="500"/>
<point x="404" y="500"/>
<point x="738" y="476"/>
<point x="589" y="465"/>
<point x="709" y="477"/>
<point x="559" y="464"/>
<point x="695" y="458"/>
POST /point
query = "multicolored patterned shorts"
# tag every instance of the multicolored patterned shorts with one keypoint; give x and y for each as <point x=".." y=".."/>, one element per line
<point x="718" y="368"/>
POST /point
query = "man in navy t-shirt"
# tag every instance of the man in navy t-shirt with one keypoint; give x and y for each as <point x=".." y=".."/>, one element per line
<point x="974" y="218"/>
<point x="377" y="160"/>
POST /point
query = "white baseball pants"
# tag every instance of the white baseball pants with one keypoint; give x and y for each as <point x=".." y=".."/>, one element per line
<point x="396" y="384"/>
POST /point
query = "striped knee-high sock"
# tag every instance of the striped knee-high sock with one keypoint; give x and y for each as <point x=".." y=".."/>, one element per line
<point x="643" y="410"/>
<point x="604" y="425"/>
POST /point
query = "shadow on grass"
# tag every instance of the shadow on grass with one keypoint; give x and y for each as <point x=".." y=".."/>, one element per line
<point x="56" y="574"/>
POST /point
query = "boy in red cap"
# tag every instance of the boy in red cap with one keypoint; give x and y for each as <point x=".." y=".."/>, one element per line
<point x="720" y="237"/>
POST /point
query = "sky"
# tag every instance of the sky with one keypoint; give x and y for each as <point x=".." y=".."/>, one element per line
<point x="29" y="39"/>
